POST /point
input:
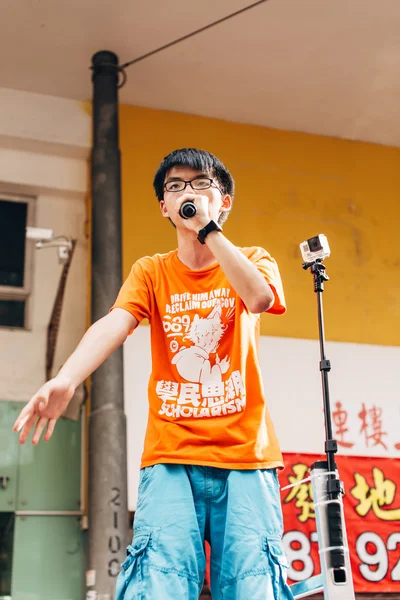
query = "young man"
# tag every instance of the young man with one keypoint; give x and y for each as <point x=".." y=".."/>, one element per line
<point x="210" y="457"/>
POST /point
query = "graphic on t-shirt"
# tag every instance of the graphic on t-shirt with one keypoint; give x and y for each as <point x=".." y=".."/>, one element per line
<point x="195" y="344"/>
<point x="194" y="363"/>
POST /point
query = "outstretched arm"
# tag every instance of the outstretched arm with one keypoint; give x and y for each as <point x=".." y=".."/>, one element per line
<point x="50" y="401"/>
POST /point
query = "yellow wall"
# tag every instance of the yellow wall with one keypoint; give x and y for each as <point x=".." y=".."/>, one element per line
<point x="289" y="186"/>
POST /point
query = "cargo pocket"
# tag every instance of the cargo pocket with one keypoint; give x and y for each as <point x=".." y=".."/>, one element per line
<point x="278" y="566"/>
<point x="133" y="577"/>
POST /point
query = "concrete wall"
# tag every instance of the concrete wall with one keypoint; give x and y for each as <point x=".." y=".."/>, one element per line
<point x="44" y="146"/>
<point x="44" y="149"/>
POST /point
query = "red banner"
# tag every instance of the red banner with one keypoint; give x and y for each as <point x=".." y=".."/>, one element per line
<point x="372" y="513"/>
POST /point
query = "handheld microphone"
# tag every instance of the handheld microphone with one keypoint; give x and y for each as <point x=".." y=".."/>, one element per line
<point x="187" y="210"/>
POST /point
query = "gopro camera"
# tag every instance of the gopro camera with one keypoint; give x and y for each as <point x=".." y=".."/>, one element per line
<point x="315" y="248"/>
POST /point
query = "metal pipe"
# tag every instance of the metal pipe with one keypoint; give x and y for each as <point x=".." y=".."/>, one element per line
<point x="107" y="500"/>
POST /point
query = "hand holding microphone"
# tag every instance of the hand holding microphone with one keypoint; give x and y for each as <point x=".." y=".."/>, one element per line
<point x="188" y="209"/>
<point x="194" y="211"/>
<point x="203" y="224"/>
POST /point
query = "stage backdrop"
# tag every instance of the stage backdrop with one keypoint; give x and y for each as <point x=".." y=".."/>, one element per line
<point x="372" y="513"/>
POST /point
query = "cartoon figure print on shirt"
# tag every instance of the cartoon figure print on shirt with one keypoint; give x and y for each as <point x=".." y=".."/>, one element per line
<point x="194" y="363"/>
<point x="208" y="390"/>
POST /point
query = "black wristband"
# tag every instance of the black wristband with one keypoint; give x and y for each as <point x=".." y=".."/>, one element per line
<point x="203" y="233"/>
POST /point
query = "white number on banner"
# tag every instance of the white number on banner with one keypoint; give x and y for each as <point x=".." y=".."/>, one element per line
<point x="374" y="559"/>
<point x="392" y="542"/>
<point x="378" y="558"/>
<point x="301" y="554"/>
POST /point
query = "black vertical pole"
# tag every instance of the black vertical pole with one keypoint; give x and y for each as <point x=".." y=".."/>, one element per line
<point x="108" y="512"/>
<point x="334" y="489"/>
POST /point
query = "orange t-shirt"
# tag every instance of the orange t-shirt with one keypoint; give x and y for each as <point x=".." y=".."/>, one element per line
<point x="206" y="399"/>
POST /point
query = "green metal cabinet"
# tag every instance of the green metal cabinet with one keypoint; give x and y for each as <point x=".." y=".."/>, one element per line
<point x="49" y="473"/>
<point x="41" y="491"/>
<point x="48" y="559"/>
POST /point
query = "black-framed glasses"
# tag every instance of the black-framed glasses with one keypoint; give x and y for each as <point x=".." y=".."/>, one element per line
<point x="198" y="184"/>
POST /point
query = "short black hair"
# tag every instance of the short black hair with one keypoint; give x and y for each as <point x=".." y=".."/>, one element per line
<point x="200" y="160"/>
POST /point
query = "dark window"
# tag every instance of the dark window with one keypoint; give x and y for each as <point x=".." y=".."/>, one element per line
<point x="12" y="242"/>
<point x="12" y="313"/>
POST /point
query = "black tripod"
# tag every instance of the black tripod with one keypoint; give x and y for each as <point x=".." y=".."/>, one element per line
<point x="336" y="578"/>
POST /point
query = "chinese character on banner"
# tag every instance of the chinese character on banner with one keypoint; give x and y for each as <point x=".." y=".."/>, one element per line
<point x="371" y="426"/>
<point x="340" y="419"/>
<point x="302" y="491"/>
<point x="374" y="498"/>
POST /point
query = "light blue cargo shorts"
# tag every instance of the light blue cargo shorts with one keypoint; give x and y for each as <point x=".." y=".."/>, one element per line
<point x="180" y="506"/>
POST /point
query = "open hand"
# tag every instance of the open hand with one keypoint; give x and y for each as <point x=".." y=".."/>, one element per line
<point x="44" y="408"/>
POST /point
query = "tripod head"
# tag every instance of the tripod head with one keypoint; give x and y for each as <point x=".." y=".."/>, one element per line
<point x="317" y="269"/>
